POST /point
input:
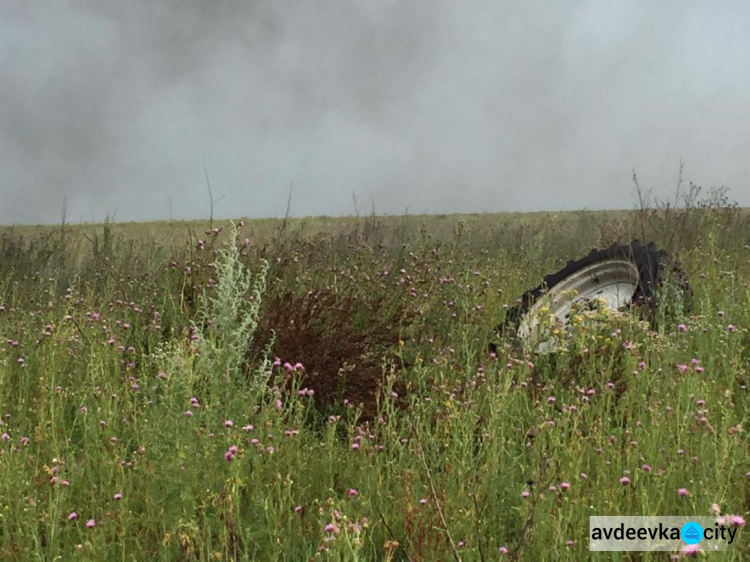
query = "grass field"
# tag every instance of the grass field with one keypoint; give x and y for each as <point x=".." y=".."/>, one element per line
<point x="321" y="389"/>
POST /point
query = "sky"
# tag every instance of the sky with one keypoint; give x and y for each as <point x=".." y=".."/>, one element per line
<point x="112" y="108"/>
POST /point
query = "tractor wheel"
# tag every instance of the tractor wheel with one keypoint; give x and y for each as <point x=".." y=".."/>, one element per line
<point x="621" y="276"/>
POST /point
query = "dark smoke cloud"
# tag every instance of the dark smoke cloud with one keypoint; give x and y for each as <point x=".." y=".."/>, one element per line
<point x="432" y="106"/>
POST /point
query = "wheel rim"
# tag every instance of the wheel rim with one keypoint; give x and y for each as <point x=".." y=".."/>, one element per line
<point x="614" y="282"/>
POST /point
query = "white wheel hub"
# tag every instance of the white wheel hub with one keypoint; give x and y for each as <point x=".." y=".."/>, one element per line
<point x="612" y="283"/>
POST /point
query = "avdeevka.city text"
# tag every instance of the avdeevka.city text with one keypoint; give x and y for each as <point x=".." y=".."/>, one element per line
<point x="659" y="533"/>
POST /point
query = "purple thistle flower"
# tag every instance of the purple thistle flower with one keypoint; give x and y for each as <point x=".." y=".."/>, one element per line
<point x="691" y="550"/>
<point x="331" y="528"/>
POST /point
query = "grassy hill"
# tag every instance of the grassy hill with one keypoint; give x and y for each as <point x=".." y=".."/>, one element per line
<point x="321" y="388"/>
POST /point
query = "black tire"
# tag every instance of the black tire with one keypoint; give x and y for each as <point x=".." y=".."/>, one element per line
<point x="653" y="266"/>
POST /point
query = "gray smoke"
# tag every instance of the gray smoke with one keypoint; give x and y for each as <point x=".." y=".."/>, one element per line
<point x="433" y="106"/>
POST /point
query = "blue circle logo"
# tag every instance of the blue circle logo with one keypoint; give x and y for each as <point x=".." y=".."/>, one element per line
<point x="692" y="533"/>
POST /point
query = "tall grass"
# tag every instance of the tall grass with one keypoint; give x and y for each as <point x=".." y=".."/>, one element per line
<point x="142" y="416"/>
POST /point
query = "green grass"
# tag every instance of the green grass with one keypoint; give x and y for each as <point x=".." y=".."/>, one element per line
<point x="126" y="384"/>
